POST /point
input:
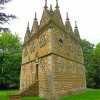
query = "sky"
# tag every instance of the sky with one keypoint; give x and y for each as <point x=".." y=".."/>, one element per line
<point x="85" y="12"/>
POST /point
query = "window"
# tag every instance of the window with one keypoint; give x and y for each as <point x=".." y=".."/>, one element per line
<point x="60" y="41"/>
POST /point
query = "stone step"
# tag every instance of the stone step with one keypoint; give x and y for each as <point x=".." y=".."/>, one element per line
<point x="14" y="97"/>
<point x="31" y="90"/>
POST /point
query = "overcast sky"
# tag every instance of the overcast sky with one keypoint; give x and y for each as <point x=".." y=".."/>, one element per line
<point x="85" y="12"/>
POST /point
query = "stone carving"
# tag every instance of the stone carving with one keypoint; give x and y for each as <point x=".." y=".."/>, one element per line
<point x="25" y="52"/>
<point x="31" y="67"/>
<point x="42" y="65"/>
<point x="62" y="88"/>
<point x="73" y="67"/>
<point x="81" y="71"/>
<point x="61" y="65"/>
<point x="32" y="47"/>
<point x="79" y="51"/>
<point x="71" y="47"/>
<point x="42" y="40"/>
<point x="24" y="69"/>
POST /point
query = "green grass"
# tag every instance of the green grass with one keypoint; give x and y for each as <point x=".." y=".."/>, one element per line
<point x="32" y="98"/>
<point x="90" y="94"/>
<point x="5" y="93"/>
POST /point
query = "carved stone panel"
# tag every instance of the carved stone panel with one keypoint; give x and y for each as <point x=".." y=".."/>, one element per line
<point x="71" y="47"/>
<point x="32" y="47"/>
<point x="42" y="64"/>
<point x="79" y="51"/>
<point x="61" y="64"/>
<point x="31" y="67"/>
<point x="73" y="67"/>
<point x="42" y="40"/>
<point x="24" y="69"/>
<point x="25" y="52"/>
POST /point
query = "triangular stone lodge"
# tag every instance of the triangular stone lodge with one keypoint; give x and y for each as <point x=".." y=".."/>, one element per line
<point x="52" y="57"/>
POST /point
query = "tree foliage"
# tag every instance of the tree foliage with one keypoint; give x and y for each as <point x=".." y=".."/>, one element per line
<point x="10" y="59"/>
<point x="92" y="63"/>
<point x="95" y="65"/>
<point x="4" y="18"/>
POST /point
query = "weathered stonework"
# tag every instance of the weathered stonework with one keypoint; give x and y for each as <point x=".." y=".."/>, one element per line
<point x="52" y="57"/>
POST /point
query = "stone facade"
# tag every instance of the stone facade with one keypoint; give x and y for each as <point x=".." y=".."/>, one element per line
<point x="53" y="56"/>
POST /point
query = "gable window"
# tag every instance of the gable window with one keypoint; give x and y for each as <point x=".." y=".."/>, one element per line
<point x="60" y="41"/>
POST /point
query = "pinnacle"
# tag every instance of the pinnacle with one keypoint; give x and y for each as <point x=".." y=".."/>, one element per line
<point x="35" y="17"/>
<point x="76" y="24"/>
<point x="57" y="4"/>
<point x="51" y="8"/>
<point x="45" y="4"/>
<point x="28" y="26"/>
<point x="67" y="18"/>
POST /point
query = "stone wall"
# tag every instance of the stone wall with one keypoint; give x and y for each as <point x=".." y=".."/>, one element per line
<point x="60" y="63"/>
<point x="68" y="76"/>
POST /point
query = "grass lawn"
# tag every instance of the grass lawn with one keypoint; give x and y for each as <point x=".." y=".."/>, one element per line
<point x="5" y="93"/>
<point x="90" y="94"/>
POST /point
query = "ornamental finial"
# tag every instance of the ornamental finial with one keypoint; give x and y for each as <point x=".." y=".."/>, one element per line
<point x="35" y="17"/>
<point x="67" y="18"/>
<point x="57" y="4"/>
<point x="45" y="4"/>
<point x="76" y="24"/>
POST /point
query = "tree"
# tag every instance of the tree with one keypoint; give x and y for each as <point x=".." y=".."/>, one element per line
<point x="4" y="18"/>
<point x="92" y="63"/>
<point x="87" y="52"/>
<point x="10" y="59"/>
<point x="95" y="66"/>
